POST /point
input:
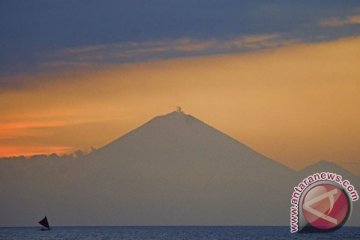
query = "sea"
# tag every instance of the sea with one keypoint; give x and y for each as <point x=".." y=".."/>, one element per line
<point x="171" y="233"/>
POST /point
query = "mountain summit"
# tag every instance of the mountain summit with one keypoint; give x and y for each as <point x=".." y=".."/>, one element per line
<point x="172" y="170"/>
<point x="181" y="136"/>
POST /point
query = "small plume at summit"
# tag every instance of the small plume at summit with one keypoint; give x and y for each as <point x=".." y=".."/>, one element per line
<point x="179" y="110"/>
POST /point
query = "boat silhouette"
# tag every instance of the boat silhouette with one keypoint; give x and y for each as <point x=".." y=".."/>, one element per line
<point x="45" y="223"/>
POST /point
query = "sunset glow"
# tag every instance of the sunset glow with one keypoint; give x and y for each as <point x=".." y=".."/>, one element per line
<point x="296" y="104"/>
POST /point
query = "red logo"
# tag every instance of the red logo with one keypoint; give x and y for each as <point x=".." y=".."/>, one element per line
<point x="325" y="207"/>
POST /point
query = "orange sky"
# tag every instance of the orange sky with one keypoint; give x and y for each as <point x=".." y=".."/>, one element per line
<point x="297" y="104"/>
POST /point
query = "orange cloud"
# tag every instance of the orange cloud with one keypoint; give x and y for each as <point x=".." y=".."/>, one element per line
<point x="24" y="125"/>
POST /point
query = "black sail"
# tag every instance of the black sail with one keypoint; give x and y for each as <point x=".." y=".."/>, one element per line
<point x="45" y="222"/>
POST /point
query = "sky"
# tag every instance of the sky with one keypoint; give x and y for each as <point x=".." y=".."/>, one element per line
<point x="282" y="77"/>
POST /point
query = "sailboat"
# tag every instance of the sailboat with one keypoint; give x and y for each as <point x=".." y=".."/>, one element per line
<point x="44" y="222"/>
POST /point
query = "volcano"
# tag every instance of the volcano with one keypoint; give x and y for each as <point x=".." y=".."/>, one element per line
<point x="173" y="170"/>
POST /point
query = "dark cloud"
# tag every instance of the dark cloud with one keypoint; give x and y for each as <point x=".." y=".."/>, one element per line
<point x="31" y="31"/>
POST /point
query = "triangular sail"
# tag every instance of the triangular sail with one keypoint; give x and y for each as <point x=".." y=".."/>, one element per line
<point x="45" y="222"/>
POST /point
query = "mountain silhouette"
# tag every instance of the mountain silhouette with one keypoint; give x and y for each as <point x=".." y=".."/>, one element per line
<point x="173" y="170"/>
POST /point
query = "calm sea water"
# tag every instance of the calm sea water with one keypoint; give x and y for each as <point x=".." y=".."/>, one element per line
<point x="170" y="233"/>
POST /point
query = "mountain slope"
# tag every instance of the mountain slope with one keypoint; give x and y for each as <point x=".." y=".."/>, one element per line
<point x="205" y="166"/>
<point x="179" y="140"/>
<point x="172" y="170"/>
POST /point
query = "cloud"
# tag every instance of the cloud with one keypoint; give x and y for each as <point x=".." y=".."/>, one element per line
<point x="7" y="151"/>
<point x="35" y="137"/>
<point x="162" y="49"/>
<point x="339" y="22"/>
<point x="110" y="32"/>
<point x="23" y="125"/>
